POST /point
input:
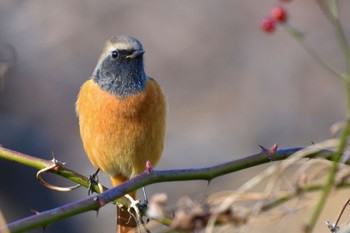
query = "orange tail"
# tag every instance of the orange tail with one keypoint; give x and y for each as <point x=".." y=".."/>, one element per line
<point x="125" y="222"/>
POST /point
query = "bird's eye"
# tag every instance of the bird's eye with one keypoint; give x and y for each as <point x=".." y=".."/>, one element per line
<point x="115" y="54"/>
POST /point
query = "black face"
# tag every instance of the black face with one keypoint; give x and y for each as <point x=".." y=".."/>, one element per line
<point x="121" y="73"/>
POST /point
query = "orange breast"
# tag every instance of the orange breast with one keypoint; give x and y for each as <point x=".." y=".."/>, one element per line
<point x="120" y="134"/>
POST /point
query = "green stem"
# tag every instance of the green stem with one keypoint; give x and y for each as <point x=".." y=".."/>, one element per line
<point x="345" y="133"/>
<point x="336" y="159"/>
<point x="346" y="81"/>
<point x="39" y="164"/>
<point x="298" y="36"/>
<point x="330" y="179"/>
<point x="283" y="198"/>
<point x="334" y="10"/>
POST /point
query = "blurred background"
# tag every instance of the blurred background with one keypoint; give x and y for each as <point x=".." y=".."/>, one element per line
<point x="229" y="88"/>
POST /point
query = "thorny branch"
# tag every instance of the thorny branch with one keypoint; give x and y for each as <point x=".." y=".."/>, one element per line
<point x="156" y="176"/>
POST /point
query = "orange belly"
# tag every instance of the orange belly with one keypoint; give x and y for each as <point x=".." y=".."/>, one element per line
<point x="120" y="134"/>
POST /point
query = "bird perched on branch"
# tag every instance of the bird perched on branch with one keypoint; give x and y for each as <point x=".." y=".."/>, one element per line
<point x="122" y="115"/>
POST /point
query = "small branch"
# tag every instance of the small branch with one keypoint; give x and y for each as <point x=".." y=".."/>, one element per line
<point x="283" y="198"/>
<point x="38" y="163"/>
<point x="335" y="225"/>
<point x="156" y="176"/>
<point x="334" y="12"/>
<point x="298" y="36"/>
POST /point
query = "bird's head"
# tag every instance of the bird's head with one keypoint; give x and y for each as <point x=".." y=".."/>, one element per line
<point x="120" y="67"/>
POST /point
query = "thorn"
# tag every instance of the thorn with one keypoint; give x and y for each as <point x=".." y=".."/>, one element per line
<point x="53" y="156"/>
<point x="262" y="148"/>
<point x="34" y="211"/>
<point x="149" y="167"/>
<point x="37" y="212"/>
<point x="100" y="201"/>
<point x="44" y="228"/>
<point x="312" y="143"/>
<point x="56" y="162"/>
<point x="273" y="148"/>
<point x="209" y="181"/>
<point x="271" y="151"/>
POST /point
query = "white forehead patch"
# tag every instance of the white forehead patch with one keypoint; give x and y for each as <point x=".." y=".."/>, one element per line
<point x="125" y="43"/>
<point x="123" y="46"/>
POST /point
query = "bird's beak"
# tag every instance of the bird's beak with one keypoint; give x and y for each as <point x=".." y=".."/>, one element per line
<point x="136" y="54"/>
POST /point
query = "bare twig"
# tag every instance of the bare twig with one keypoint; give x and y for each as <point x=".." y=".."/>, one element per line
<point x="335" y="225"/>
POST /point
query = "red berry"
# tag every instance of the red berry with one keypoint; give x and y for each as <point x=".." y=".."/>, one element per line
<point x="268" y="25"/>
<point x="279" y="13"/>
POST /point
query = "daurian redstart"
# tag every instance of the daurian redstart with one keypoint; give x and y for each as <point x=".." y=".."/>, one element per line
<point x="122" y="115"/>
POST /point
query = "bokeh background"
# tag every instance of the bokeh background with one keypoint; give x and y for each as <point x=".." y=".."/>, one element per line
<point x="229" y="88"/>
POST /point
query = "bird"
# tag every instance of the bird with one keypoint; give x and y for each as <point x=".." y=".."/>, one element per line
<point x="122" y="116"/>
